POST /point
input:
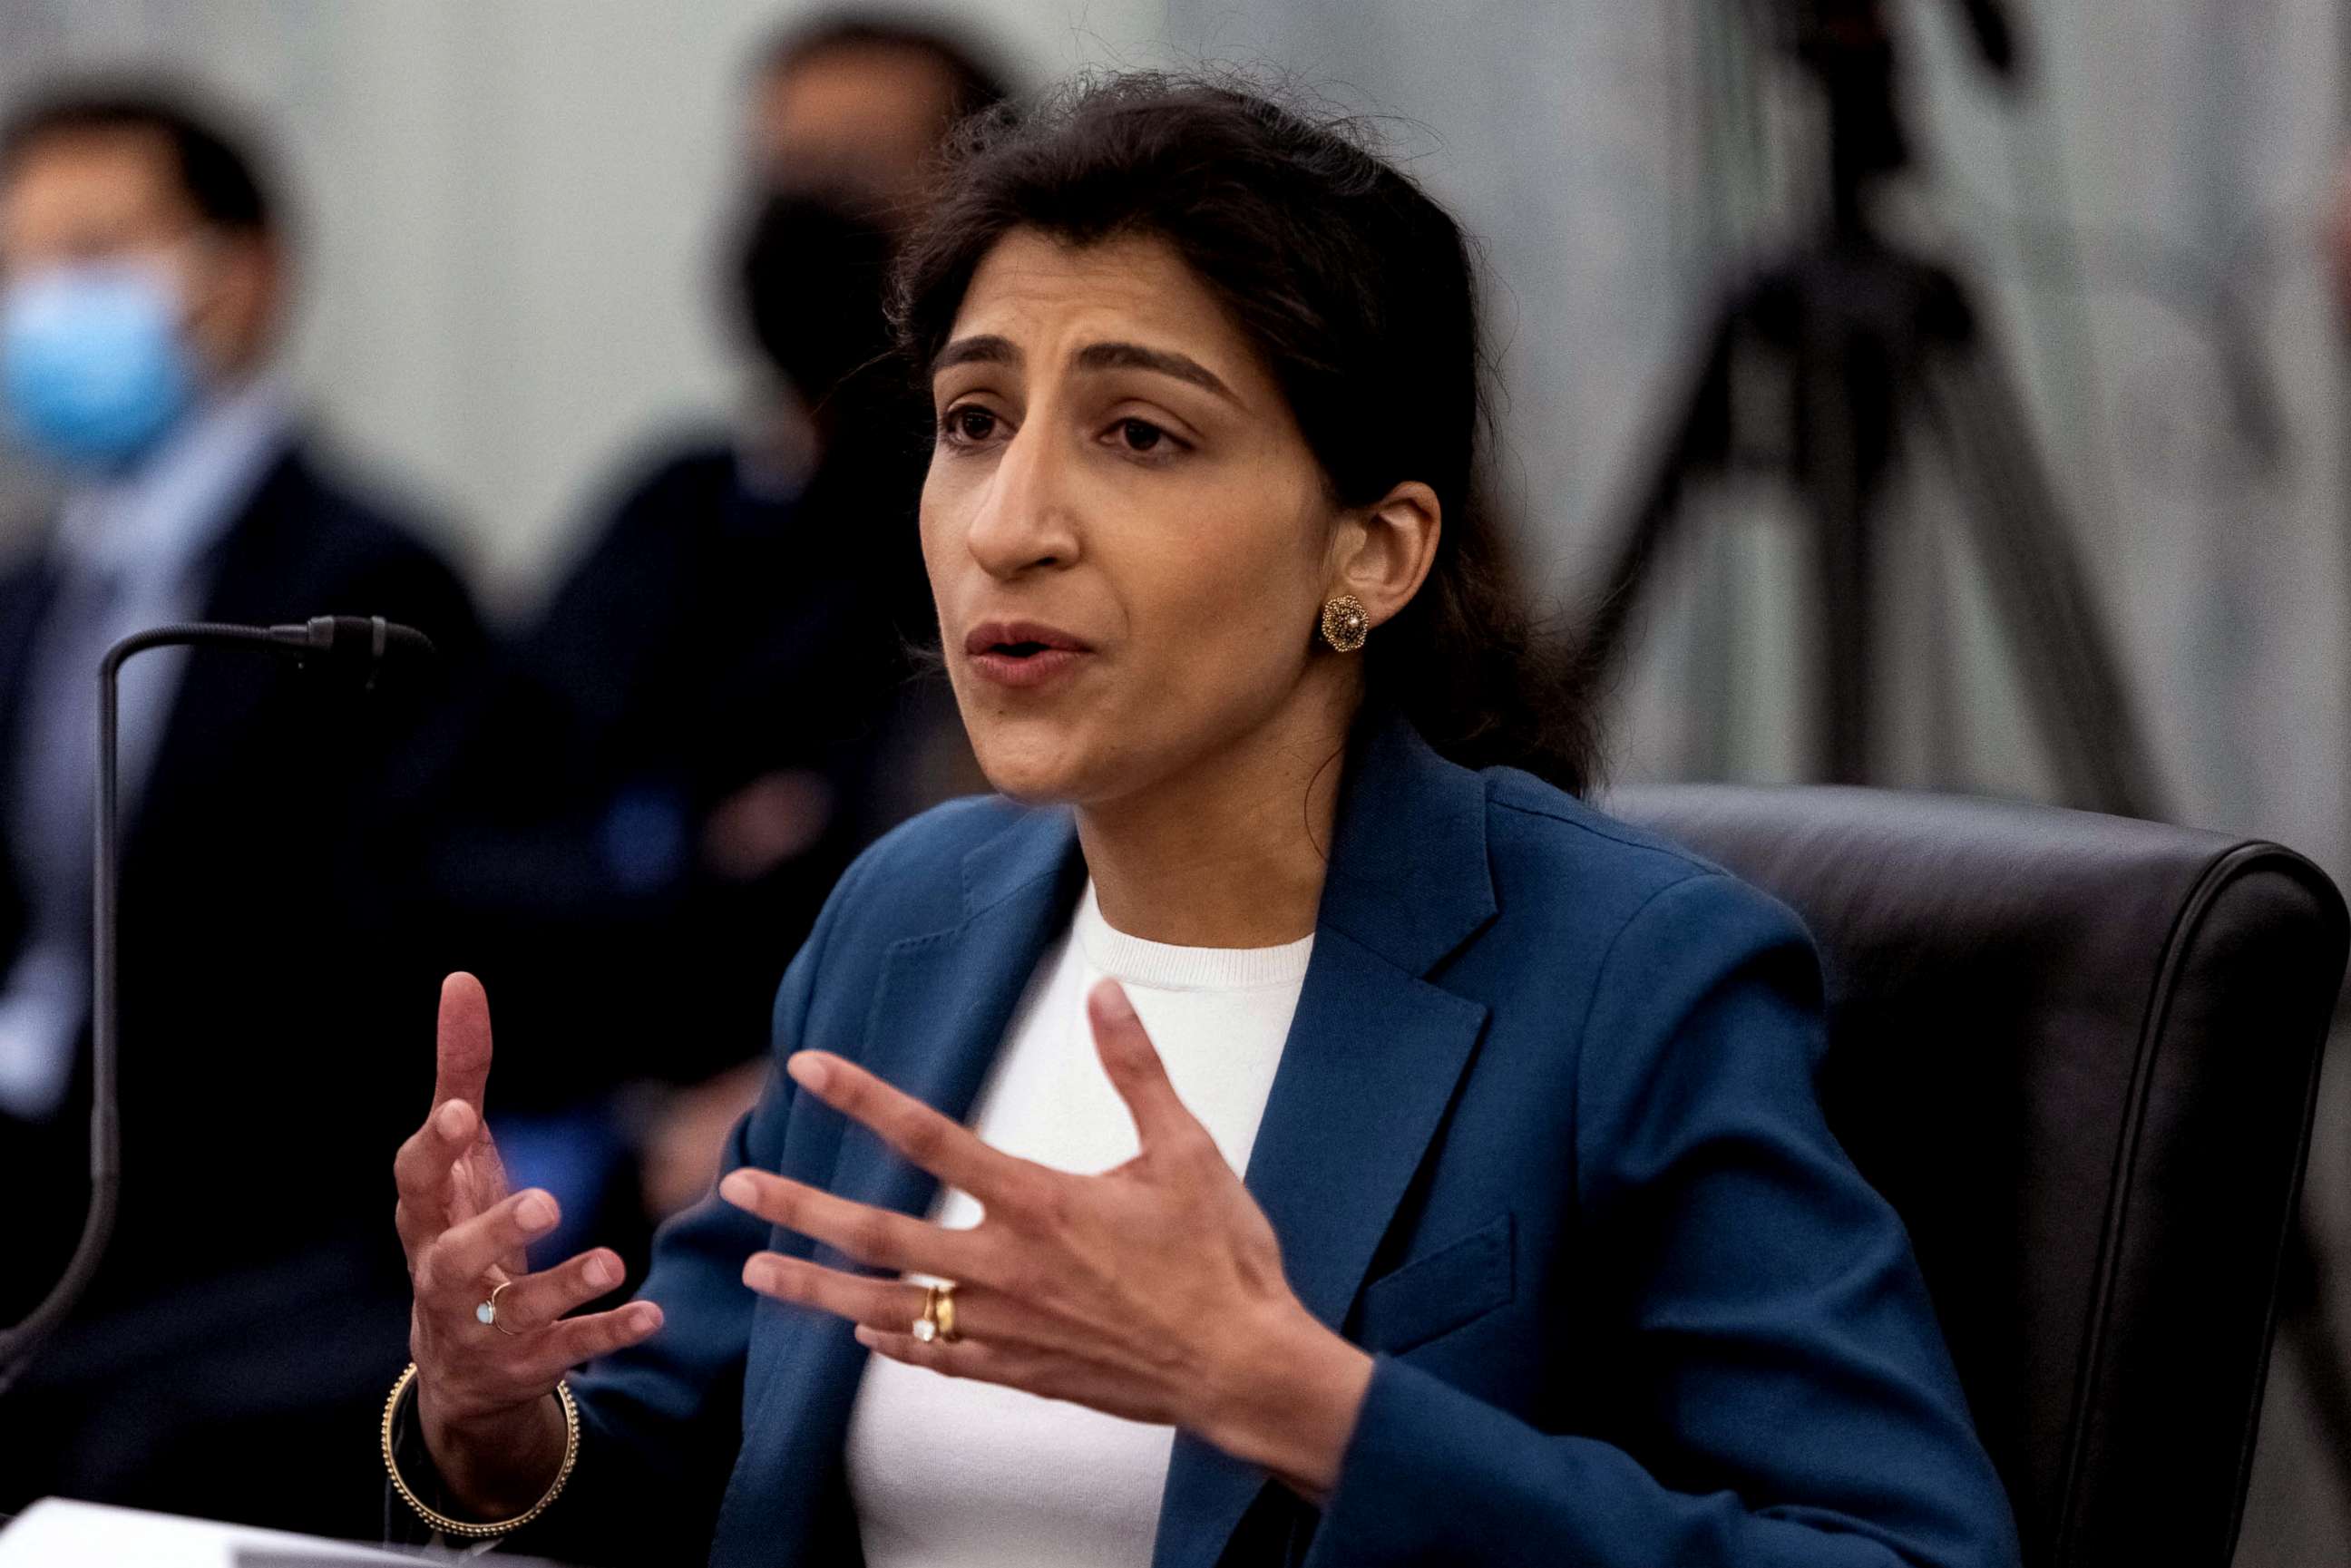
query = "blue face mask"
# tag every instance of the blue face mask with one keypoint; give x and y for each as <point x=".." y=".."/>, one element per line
<point x="94" y="369"/>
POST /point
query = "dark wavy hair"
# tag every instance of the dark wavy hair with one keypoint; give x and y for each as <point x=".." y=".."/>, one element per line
<point x="1361" y="295"/>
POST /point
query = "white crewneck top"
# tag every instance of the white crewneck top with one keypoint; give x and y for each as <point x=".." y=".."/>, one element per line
<point x="949" y="1471"/>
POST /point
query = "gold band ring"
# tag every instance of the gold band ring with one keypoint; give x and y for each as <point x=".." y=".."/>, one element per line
<point x="944" y="1309"/>
<point x="488" y="1312"/>
<point x="938" y="1320"/>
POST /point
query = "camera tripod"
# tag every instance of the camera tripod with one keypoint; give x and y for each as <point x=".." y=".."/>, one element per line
<point x="1873" y="346"/>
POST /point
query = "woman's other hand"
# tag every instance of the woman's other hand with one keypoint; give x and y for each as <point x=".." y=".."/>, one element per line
<point x="485" y="1389"/>
<point x="1153" y="1292"/>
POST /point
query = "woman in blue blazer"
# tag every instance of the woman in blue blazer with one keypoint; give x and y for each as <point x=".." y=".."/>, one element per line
<point x="1284" y="1128"/>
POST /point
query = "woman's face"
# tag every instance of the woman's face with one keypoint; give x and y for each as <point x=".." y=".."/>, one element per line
<point x="1128" y="538"/>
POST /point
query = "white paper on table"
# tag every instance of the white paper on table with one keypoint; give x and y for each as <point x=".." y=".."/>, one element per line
<point x="57" y="1532"/>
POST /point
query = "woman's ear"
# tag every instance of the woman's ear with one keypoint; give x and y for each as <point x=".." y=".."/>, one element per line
<point x="1382" y="555"/>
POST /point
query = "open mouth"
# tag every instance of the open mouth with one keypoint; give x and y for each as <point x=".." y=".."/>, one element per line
<point x="1022" y="654"/>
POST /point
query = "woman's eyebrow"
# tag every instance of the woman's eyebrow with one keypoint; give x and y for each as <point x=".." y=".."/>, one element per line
<point x="986" y="348"/>
<point x="1166" y="362"/>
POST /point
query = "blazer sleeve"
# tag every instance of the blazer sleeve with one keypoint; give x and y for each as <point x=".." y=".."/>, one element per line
<point x="661" y="1422"/>
<point x="1778" y="1390"/>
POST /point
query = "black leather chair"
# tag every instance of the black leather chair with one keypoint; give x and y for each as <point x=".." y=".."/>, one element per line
<point x="2080" y="1055"/>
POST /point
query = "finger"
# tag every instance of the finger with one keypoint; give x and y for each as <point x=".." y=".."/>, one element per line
<point x="1044" y="1372"/>
<point x="1031" y="1370"/>
<point x="422" y="1168"/>
<point x="423" y="1173"/>
<point x="457" y="1263"/>
<point x="575" y="1341"/>
<point x="964" y="1358"/>
<point x="878" y="1238"/>
<point x="891" y="1304"/>
<point x="536" y="1300"/>
<point x="462" y="1057"/>
<point x="937" y="1144"/>
<point x="1135" y="1069"/>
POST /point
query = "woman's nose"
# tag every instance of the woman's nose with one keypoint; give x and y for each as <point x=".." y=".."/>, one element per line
<point x="1025" y="521"/>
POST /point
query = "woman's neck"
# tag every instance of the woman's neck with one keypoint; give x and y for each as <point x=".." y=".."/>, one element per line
<point x="1230" y="853"/>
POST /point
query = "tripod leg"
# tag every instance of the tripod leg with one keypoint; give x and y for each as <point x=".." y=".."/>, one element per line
<point x="1844" y="400"/>
<point x="2067" y="668"/>
<point x="1700" y="441"/>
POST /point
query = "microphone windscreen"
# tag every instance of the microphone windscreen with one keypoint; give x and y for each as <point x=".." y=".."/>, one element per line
<point x="365" y="651"/>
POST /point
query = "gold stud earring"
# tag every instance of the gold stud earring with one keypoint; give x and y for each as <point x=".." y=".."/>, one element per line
<point x="1345" y="624"/>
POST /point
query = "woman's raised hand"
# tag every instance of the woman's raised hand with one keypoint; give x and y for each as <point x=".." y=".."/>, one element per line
<point x="486" y="1382"/>
<point x="1153" y="1291"/>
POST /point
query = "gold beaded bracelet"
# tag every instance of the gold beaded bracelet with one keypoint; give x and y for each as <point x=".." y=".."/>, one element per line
<point x="442" y="1521"/>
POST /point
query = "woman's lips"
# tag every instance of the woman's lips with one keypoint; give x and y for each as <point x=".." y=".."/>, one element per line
<point x="1010" y="669"/>
<point x="1022" y="653"/>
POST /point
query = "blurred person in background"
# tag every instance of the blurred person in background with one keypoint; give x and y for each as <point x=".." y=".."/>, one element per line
<point x="715" y="709"/>
<point x="144" y="273"/>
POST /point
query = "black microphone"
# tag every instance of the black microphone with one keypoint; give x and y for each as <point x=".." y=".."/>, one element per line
<point x="352" y="650"/>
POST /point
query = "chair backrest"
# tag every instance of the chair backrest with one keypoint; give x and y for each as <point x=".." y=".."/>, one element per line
<point x="2079" y="1054"/>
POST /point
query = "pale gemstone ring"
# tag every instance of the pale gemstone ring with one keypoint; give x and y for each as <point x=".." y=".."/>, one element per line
<point x="488" y="1311"/>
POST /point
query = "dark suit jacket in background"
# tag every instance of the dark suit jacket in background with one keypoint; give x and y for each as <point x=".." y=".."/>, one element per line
<point x="712" y="633"/>
<point x="1543" y="1138"/>
<point x="275" y="1016"/>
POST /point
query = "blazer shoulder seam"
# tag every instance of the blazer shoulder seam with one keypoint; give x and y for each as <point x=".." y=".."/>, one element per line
<point x="1698" y="873"/>
<point x="1697" y="865"/>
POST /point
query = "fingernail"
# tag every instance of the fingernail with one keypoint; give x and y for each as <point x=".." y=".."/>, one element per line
<point x="808" y="1070"/>
<point x="536" y="1212"/>
<point x="739" y="1189"/>
<point x="759" y="1274"/>
<point x="603" y="1273"/>
<point x="865" y="1336"/>
<point x="454" y="1118"/>
<point x="1112" y="997"/>
<point x="644" y="1317"/>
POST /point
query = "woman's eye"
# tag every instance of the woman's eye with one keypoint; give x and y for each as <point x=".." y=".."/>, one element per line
<point x="1140" y="434"/>
<point x="968" y="423"/>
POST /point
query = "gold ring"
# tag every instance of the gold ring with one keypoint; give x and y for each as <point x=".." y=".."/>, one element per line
<point x="943" y="1312"/>
<point x="937" y="1322"/>
<point x="488" y="1312"/>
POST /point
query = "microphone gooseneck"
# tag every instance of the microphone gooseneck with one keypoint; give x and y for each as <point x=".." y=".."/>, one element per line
<point x="351" y="647"/>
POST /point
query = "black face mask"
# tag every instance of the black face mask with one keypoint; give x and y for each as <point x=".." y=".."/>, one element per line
<point x="812" y="270"/>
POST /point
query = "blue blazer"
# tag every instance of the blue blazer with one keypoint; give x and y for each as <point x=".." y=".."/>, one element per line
<point x="1543" y="1139"/>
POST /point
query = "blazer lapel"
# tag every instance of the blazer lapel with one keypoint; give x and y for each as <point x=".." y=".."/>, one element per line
<point x="944" y="1001"/>
<point x="939" y="1014"/>
<point x="1369" y="1069"/>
